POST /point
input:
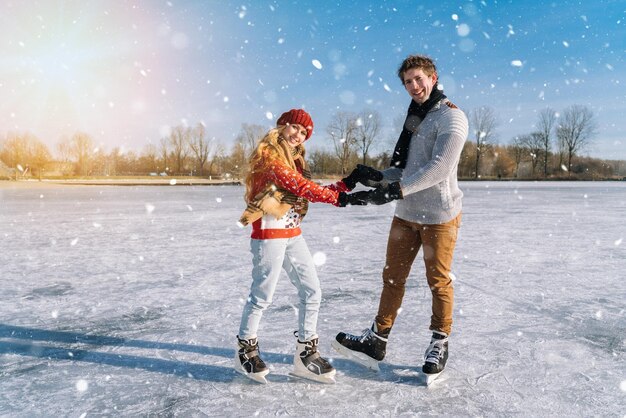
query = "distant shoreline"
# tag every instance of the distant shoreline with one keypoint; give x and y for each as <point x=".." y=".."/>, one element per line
<point x="117" y="182"/>
<point x="183" y="181"/>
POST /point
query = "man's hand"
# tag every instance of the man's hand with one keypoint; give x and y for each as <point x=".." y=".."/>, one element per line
<point x="381" y="194"/>
<point x="362" y="174"/>
<point x="346" y="199"/>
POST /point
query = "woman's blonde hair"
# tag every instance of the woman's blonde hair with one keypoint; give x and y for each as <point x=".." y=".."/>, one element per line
<point x="268" y="149"/>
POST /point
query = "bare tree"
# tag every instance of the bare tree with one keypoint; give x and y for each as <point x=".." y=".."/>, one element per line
<point x="323" y="162"/>
<point x="200" y="146"/>
<point x="547" y="118"/>
<point x="467" y="160"/>
<point x="148" y="159"/>
<point x="110" y="164"/>
<point x="517" y="150"/>
<point x="164" y="153"/>
<point x="105" y="165"/>
<point x="533" y="144"/>
<point x="367" y="128"/>
<point x="24" y="152"/>
<point x="179" y="140"/>
<point x="64" y="149"/>
<point x="82" y="149"/>
<point x="14" y="151"/>
<point x="215" y="156"/>
<point x="39" y="157"/>
<point x="483" y="121"/>
<point x="236" y="164"/>
<point x="342" y="131"/>
<point x="249" y="136"/>
<point x="503" y="164"/>
<point x="575" y="130"/>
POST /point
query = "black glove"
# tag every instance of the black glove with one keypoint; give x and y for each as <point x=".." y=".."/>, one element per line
<point x="381" y="194"/>
<point x="346" y="199"/>
<point x="362" y="174"/>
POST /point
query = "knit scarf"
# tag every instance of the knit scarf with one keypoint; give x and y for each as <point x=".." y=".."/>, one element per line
<point x="415" y="115"/>
<point x="275" y="201"/>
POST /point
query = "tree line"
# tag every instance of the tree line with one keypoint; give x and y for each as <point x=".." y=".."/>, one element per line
<point x="552" y="151"/>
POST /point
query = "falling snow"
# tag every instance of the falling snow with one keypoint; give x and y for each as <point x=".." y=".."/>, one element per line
<point x="140" y="68"/>
<point x="139" y="317"/>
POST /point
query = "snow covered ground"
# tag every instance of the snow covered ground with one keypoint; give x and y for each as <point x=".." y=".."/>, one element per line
<point x="126" y="301"/>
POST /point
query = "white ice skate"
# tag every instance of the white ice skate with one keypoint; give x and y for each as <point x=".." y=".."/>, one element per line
<point x="308" y="364"/>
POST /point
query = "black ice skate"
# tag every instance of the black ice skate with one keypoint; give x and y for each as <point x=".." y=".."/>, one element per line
<point x="248" y="360"/>
<point x="436" y="356"/>
<point x="309" y="364"/>
<point x="367" y="349"/>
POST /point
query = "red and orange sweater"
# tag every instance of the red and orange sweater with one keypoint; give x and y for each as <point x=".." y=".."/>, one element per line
<point x="284" y="177"/>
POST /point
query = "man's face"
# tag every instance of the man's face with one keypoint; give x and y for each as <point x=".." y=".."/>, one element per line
<point x="418" y="84"/>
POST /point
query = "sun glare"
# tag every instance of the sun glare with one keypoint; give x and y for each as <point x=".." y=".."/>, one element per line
<point x="69" y="67"/>
<point x="55" y="74"/>
<point x="57" y="67"/>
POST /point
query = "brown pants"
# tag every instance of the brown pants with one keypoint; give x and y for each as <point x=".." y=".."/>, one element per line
<point x="405" y="240"/>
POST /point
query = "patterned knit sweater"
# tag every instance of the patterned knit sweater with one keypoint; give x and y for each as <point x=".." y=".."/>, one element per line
<point x="429" y="180"/>
<point x="284" y="177"/>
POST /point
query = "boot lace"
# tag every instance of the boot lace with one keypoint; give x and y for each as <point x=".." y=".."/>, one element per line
<point x="367" y="334"/>
<point x="434" y="351"/>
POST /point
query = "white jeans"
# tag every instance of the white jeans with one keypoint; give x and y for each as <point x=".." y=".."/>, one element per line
<point x="269" y="256"/>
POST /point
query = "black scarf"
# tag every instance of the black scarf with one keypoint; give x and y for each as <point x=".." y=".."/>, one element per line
<point x="414" y="117"/>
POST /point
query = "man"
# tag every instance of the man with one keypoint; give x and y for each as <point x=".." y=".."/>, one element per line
<point x="423" y="176"/>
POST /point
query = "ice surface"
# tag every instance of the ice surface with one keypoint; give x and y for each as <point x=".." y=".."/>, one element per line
<point x="122" y="301"/>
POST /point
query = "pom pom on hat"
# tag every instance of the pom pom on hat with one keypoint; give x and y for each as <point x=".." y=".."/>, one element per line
<point x="298" y="116"/>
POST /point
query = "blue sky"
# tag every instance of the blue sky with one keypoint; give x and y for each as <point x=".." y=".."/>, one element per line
<point x="126" y="71"/>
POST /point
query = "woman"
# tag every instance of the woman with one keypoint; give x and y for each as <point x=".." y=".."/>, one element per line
<point x="278" y="189"/>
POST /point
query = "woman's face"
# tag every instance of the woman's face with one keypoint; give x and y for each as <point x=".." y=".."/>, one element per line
<point x="294" y="134"/>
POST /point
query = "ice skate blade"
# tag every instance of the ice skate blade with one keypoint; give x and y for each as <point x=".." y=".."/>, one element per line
<point x="361" y="358"/>
<point x="329" y="380"/>
<point x="429" y="379"/>
<point x="257" y="377"/>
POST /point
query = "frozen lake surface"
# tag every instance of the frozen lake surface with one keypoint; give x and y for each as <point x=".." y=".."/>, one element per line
<point x="126" y="301"/>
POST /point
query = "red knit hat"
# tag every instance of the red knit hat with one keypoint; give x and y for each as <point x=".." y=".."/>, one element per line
<point x="298" y="116"/>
